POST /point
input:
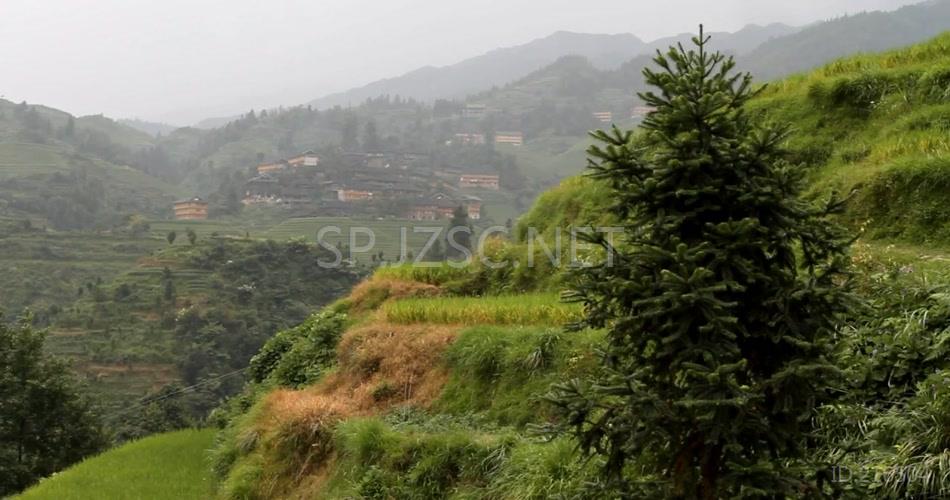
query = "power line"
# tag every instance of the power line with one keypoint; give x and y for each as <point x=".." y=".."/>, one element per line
<point x="178" y="392"/>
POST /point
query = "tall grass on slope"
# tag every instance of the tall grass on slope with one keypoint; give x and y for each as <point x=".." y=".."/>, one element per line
<point x="529" y="309"/>
<point x="433" y="273"/>
<point x="378" y="459"/>
<point x="502" y="372"/>
<point x="171" y="466"/>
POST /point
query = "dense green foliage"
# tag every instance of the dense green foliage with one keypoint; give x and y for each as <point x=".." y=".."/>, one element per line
<point x="298" y="356"/>
<point x="888" y="431"/>
<point x="46" y="423"/>
<point x="720" y="303"/>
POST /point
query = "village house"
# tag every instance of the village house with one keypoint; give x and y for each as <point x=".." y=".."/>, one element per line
<point x="510" y="138"/>
<point x="191" y="209"/>
<point x="305" y="159"/>
<point x="262" y="189"/>
<point x="263" y="184"/>
<point x="603" y="116"/>
<point x="352" y="194"/>
<point x="473" y="205"/>
<point x="441" y="206"/>
<point x="272" y="167"/>
<point x="480" y="181"/>
<point x="469" y="139"/>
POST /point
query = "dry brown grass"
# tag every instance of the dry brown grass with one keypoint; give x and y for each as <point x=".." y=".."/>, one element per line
<point x="372" y="293"/>
<point x="383" y="364"/>
<point x="379" y="366"/>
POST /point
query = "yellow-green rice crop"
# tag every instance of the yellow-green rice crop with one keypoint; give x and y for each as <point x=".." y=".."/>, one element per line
<point x="529" y="309"/>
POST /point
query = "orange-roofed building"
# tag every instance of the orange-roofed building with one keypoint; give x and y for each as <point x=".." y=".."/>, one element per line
<point x="191" y="209"/>
<point x="483" y="181"/>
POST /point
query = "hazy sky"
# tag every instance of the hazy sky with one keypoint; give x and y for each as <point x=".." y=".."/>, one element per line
<point x="180" y="61"/>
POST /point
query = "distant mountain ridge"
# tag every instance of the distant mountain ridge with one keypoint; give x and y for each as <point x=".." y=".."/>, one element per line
<point x="865" y="32"/>
<point x="505" y="65"/>
<point x="151" y="128"/>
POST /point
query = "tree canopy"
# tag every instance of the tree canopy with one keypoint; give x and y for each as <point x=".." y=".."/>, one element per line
<point x="719" y="302"/>
<point x="45" y="422"/>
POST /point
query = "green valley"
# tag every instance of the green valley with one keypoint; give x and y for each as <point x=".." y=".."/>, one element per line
<point x="615" y="274"/>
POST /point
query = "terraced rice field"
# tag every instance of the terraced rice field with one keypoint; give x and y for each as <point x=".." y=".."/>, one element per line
<point x="28" y="159"/>
<point x="528" y="309"/>
<point x="203" y="228"/>
<point x="387" y="233"/>
<point x="164" y="466"/>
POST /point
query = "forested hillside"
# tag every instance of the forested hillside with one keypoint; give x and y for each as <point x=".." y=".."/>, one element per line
<point x="184" y="315"/>
<point x="63" y="172"/>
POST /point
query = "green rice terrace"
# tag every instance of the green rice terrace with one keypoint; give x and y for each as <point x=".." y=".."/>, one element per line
<point x="169" y="466"/>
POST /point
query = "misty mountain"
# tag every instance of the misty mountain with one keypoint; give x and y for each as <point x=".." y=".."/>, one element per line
<point x="215" y="122"/>
<point x="741" y="42"/>
<point x="150" y="128"/>
<point x="866" y="32"/>
<point x="578" y="85"/>
<point x="502" y="66"/>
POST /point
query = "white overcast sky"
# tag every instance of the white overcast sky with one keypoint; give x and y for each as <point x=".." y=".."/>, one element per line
<point x="183" y="60"/>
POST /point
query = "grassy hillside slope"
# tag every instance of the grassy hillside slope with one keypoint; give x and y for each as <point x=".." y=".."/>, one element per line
<point x="54" y="186"/>
<point x="878" y="125"/>
<point x="875" y="125"/>
<point x="165" y="466"/>
<point x="406" y="389"/>
<point x="77" y="173"/>
<point x="864" y="32"/>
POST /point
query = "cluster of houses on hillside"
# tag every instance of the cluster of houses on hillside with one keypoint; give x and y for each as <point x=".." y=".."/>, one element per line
<point x="501" y="138"/>
<point x="393" y="183"/>
<point x="516" y="138"/>
<point x="307" y="159"/>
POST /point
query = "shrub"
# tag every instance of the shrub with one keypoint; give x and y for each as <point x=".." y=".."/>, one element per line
<point x="431" y="273"/>
<point x="299" y="355"/>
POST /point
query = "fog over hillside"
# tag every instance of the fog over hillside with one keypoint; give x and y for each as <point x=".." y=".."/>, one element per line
<point x="181" y="62"/>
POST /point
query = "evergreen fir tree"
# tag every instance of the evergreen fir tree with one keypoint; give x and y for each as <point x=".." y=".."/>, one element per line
<point x="723" y="294"/>
<point x="371" y="143"/>
<point x="458" y="234"/>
